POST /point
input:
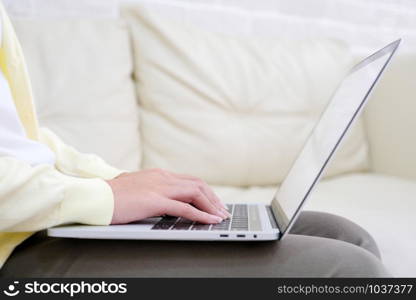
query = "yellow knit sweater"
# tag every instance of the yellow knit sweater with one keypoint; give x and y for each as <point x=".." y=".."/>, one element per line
<point x="35" y="198"/>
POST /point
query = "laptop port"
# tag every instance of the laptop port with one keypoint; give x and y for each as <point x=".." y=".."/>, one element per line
<point x="223" y="235"/>
<point x="241" y="235"/>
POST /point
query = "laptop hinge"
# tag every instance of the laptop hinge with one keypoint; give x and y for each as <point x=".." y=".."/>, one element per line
<point x="271" y="217"/>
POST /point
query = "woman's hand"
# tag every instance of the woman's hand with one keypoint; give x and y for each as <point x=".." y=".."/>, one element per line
<point x="156" y="192"/>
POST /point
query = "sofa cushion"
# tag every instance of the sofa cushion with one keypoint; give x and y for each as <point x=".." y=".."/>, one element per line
<point x="233" y="110"/>
<point x="390" y="115"/>
<point x="81" y="71"/>
<point x="383" y="205"/>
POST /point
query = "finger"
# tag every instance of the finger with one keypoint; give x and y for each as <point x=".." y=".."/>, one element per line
<point x="205" y="188"/>
<point x="207" y="191"/>
<point x="187" y="211"/>
<point x="211" y="195"/>
<point x="189" y="192"/>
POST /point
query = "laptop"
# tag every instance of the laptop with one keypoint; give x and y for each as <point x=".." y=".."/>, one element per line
<point x="259" y="222"/>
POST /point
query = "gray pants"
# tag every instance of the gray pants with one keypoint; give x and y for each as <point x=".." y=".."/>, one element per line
<point x="320" y="245"/>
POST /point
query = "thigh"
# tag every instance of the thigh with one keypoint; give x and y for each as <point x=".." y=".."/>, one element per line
<point x="295" y="256"/>
<point x="327" y="225"/>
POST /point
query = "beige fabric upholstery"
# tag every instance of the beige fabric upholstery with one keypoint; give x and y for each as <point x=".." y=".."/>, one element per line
<point x="77" y="66"/>
<point x="233" y="110"/>
<point x="391" y="119"/>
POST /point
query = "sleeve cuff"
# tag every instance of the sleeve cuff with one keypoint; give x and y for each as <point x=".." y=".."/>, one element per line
<point x="87" y="201"/>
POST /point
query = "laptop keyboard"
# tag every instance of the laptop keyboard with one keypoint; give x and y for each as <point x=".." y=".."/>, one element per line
<point x="238" y="221"/>
<point x="240" y="218"/>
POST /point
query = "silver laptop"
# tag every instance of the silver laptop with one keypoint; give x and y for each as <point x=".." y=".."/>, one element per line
<point x="256" y="222"/>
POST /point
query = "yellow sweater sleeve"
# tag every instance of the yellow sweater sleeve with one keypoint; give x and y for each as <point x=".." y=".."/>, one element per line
<point x="72" y="162"/>
<point x="35" y="198"/>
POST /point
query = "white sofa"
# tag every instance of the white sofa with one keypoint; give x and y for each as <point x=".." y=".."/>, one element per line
<point x="81" y="62"/>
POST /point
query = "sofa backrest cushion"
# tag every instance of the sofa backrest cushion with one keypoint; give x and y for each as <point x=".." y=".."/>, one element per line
<point x="81" y="71"/>
<point x="233" y="110"/>
<point x="390" y="118"/>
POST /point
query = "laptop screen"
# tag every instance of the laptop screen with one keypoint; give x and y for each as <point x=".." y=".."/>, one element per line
<point x="342" y="109"/>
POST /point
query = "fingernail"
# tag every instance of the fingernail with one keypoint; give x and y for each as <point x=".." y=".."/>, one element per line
<point x="222" y="214"/>
<point x="224" y="206"/>
<point x="217" y="219"/>
<point x="226" y="212"/>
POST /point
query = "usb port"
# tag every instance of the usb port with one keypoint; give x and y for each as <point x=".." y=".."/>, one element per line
<point x="241" y="235"/>
<point x="223" y="235"/>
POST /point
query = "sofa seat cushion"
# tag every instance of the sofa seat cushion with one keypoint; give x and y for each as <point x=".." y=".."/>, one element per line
<point x="385" y="206"/>
<point x="233" y="110"/>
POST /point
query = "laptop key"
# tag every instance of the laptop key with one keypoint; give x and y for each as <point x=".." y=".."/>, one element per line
<point x="165" y="223"/>
<point x="183" y="224"/>
<point x="181" y="227"/>
<point x="224" y="225"/>
<point x="199" y="226"/>
<point x="240" y="217"/>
